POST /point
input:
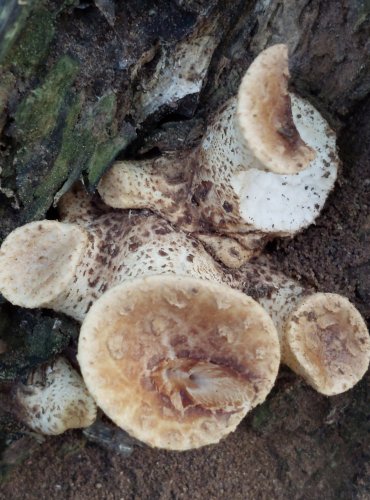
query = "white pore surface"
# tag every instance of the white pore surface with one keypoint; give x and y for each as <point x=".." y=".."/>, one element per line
<point x="287" y="203"/>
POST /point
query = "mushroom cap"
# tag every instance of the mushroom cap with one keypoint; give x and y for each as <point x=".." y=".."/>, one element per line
<point x="38" y="262"/>
<point x="55" y="399"/>
<point x="175" y="361"/>
<point x="327" y="343"/>
<point x="265" y="116"/>
<point x="284" y="204"/>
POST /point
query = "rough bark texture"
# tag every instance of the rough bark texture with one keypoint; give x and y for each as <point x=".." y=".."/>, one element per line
<point x="82" y="82"/>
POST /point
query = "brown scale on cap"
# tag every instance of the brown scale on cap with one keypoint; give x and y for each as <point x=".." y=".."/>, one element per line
<point x="176" y="361"/>
<point x="265" y="114"/>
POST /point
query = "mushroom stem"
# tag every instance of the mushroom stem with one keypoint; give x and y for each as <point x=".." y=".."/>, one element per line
<point x="265" y="166"/>
<point x="67" y="265"/>
<point x="54" y="399"/>
<point x="323" y="337"/>
<point x="160" y="184"/>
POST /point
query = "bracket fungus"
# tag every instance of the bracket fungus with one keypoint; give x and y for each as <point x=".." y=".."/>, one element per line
<point x="265" y="167"/>
<point x="323" y="337"/>
<point x="66" y="266"/>
<point x="55" y="399"/>
<point x="176" y="361"/>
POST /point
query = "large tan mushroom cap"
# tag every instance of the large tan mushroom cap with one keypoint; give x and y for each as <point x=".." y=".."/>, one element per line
<point x="265" y="114"/>
<point x="38" y="262"/>
<point x="177" y="362"/>
<point x="327" y="342"/>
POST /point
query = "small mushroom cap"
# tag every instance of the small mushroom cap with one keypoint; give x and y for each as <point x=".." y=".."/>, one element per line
<point x="55" y="399"/>
<point x="265" y="115"/>
<point x="175" y="361"/>
<point x="327" y="343"/>
<point x="38" y="261"/>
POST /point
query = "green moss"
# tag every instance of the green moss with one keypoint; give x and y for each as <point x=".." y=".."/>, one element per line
<point x="13" y="16"/>
<point x="33" y="43"/>
<point x="362" y="9"/>
<point x="103" y="156"/>
<point x="37" y="114"/>
<point x="108" y="141"/>
<point x="93" y="142"/>
<point x="89" y="143"/>
<point x="40" y="121"/>
<point x="67" y="4"/>
<point x="71" y="153"/>
<point x="70" y="135"/>
<point x="7" y="83"/>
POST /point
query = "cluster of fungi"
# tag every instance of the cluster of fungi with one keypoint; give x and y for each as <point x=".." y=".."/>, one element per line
<point x="156" y="265"/>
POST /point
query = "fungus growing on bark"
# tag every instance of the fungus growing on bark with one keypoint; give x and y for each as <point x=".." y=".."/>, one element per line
<point x="322" y="335"/>
<point x="175" y="361"/>
<point x="66" y="266"/>
<point x="55" y="399"/>
<point x="265" y="166"/>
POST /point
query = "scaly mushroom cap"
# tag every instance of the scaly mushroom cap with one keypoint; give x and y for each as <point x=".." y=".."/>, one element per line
<point x="38" y="262"/>
<point x="175" y="361"/>
<point x="265" y="114"/>
<point x="326" y="341"/>
<point x="55" y="399"/>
